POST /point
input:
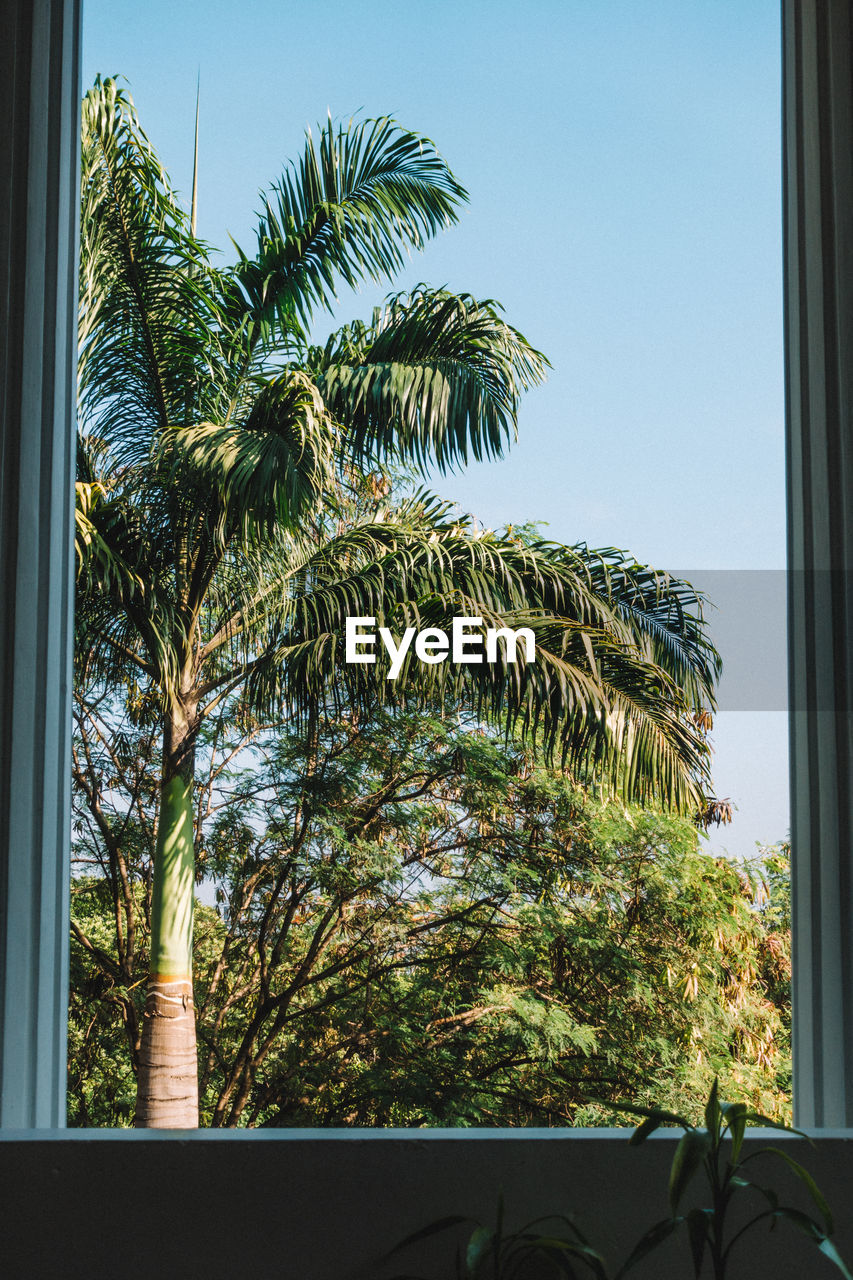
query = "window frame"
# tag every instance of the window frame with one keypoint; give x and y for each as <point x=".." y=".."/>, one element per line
<point x="41" y="88"/>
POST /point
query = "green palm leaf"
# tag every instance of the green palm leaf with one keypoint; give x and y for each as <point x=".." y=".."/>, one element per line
<point x="147" y="324"/>
<point x="351" y="208"/>
<point x="436" y="377"/>
<point x="266" y="470"/>
<point x="593" y="695"/>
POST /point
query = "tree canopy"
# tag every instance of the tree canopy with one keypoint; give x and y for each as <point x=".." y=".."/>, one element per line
<point x="413" y="925"/>
<point x="239" y="498"/>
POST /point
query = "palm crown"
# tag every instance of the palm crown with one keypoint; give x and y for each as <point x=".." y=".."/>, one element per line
<point x="232" y="508"/>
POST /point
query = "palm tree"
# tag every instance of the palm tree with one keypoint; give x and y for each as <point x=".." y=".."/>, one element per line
<point x="233" y="505"/>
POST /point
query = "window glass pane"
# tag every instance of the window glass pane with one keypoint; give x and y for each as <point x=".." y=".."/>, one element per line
<point x="403" y="920"/>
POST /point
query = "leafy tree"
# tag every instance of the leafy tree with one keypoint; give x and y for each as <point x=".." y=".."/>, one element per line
<point x="418" y="924"/>
<point x="224" y="532"/>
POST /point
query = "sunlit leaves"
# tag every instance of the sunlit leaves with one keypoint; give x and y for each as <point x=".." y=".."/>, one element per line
<point x="267" y="471"/>
<point x="223" y="532"/>
<point x="594" y="697"/>
<point x="435" y="377"/>
<point x="147" y="321"/>
<point x="359" y="199"/>
<point x="494" y="938"/>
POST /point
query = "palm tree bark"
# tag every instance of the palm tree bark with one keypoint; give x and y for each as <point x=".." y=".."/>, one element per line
<point x="167" y="1087"/>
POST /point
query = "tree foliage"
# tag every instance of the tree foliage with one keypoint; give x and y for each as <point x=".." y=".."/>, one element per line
<point x="421" y="922"/>
<point x="414" y="925"/>
<point x="222" y="531"/>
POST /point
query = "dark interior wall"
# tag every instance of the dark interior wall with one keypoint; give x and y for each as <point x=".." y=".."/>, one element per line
<point x="282" y="1207"/>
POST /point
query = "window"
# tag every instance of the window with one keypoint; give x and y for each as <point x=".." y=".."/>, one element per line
<point x="39" y="84"/>
<point x="36" y="636"/>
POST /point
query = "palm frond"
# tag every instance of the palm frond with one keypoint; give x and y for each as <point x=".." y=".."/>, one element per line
<point x="594" y="697"/>
<point x="436" y="377"/>
<point x="351" y="208"/>
<point x="669" y="615"/>
<point x="267" y="470"/>
<point x="665" y="615"/>
<point x="125" y="608"/>
<point x="93" y="554"/>
<point x="223" y="530"/>
<point x="147" y="324"/>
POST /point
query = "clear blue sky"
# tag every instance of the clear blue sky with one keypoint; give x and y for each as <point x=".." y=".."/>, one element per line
<point x="623" y="164"/>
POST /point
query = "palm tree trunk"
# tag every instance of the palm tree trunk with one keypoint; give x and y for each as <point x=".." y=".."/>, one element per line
<point x="167" y="1084"/>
